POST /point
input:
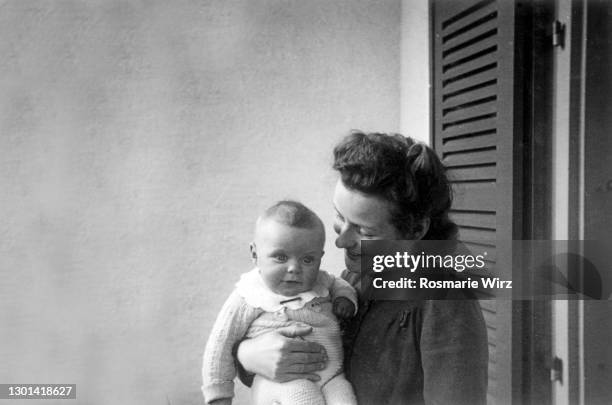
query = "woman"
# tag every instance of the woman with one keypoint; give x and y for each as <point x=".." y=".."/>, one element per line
<point x="398" y="352"/>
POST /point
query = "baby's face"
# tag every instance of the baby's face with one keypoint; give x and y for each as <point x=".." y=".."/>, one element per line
<point x="288" y="258"/>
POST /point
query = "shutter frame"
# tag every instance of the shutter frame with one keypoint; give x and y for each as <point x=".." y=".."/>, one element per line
<point x="477" y="126"/>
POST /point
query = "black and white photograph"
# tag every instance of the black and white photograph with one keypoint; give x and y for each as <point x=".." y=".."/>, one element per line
<point x="236" y="202"/>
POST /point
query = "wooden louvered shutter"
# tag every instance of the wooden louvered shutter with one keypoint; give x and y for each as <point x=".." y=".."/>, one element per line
<point x="475" y="132"/>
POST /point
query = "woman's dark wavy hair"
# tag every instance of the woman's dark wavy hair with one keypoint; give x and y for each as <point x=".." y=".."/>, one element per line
<point x="406" y="173"/>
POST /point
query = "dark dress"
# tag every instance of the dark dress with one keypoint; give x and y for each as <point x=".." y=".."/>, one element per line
<point x="418" y="352"/>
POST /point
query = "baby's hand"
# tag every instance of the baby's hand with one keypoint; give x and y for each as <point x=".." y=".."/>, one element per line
<point x="343" y="307"/>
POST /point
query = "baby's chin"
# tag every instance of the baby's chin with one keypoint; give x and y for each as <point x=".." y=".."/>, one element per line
<point x="292" y="291"/>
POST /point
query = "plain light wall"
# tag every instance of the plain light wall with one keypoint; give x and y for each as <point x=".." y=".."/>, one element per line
<point x="138" y="143"/>
<point x="415" y="72"/>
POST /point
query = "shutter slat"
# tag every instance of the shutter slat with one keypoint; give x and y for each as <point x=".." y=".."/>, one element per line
<point x="482" y="77"/>
<point x="472" y="141"/>
<point x="470" y="68"/>
<point x="459" y="39"/>
<point x="470" y="52"/>
<point x="470" y="158"/>
<point x="491" y="255"/>
<point x="478" y="235"/>
<point x="469" y="128"/>
<point x="487" y="90"/>
<point x="475" y="196"/>
<point x="487" y="172"/>
<point x="468" y="120"/>
<point x="490" y="318"/>
<point x="477" y="108"/>
<point x="482" y="220"/>
<point x="488" y="305"/>
<point x="462" y="16"/>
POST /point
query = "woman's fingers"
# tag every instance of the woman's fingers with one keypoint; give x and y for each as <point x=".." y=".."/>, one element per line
<point x="298" y="350"/>
<point x="295" y="376"/>
<point x="304" y="368"/>
<point x="305" y="358"/>
<point x="283" y="356"/>
<point x="302" y="361"/>
<point x="295" y="331"/>
<point x="303" y="346"/>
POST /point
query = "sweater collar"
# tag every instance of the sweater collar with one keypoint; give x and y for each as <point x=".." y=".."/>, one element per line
<point x="252" y="288"/>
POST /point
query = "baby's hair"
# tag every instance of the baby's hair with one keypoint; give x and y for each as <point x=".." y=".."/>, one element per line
<point x="404" y="172"/>
<point x="294" y="214"/>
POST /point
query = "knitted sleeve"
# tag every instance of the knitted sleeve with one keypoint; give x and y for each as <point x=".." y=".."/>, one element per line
<point x="338" y="287"/>
<point x="218" y="369"/>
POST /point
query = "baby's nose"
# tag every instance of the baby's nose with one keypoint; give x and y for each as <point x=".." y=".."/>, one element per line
<point x="293" y="266"/>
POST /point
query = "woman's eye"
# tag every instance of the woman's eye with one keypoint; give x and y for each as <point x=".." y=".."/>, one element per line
<point x="366" y="234"/>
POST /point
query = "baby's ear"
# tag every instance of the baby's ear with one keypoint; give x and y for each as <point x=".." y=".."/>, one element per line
<point x="253" y="252"/>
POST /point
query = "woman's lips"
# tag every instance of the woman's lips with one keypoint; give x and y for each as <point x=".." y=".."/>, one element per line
<point x="352" y="255"/>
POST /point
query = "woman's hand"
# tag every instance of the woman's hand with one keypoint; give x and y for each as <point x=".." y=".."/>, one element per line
<point x="222" y="401"/>
<point x="283" y="355"/>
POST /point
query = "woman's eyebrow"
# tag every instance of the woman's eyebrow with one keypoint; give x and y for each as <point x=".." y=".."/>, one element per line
<point x="369" y="228"/>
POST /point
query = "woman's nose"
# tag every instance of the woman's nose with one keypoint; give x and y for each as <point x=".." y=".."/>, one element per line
<point x="346" y="239"/>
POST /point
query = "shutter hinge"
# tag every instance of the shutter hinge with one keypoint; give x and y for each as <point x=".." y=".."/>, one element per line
<point x="558" y="34"/>
<point x="556" y="370"/>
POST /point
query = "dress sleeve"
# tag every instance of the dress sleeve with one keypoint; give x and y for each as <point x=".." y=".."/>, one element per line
<point x="338" y="287"/>
<point x="218" y="369"/>
<point x="454" y="352"/>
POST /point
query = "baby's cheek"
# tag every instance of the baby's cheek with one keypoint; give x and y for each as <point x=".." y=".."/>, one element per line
<point x="310" y="276"/>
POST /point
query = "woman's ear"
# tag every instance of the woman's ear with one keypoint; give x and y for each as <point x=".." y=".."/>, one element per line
<point x="253" y="252"/>
<point x="421" y="228"/>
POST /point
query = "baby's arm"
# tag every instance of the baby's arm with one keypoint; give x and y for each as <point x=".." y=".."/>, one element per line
<point x="343" y="307"/>
<point x="343" y="295"/>
<point x="218" y="369"/>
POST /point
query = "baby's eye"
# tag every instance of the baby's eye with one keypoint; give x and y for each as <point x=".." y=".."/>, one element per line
<point x="280" y="257"/>
<point x="308" y="260"/>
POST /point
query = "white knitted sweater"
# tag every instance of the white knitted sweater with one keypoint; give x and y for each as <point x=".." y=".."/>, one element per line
<point x="252" y="309"/>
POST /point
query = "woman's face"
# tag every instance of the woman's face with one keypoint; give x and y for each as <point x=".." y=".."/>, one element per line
<point x="360" y="216"/>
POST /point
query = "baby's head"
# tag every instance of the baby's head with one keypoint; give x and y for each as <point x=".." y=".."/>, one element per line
<point x="288" y="246"/>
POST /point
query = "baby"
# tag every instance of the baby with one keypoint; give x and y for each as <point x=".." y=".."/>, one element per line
<point x="285" y="288"/>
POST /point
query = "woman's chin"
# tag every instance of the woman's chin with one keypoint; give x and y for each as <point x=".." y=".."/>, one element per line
<point x="353" y="263"/>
